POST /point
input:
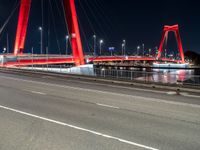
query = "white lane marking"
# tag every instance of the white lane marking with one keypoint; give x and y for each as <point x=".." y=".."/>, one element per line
<point x="35" y="92"/>
<point x="79" y="128"/>
<point x="171" y="93"/>
<point x="40" y="93"/>
<point x="109" y="106"/>
<point x="117" y="86"/>
<point x="188" y="95"/>
<point x="139" y="89"/>
<point x="105" y="92"/>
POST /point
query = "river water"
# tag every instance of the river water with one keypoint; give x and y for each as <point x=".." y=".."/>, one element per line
<point x="186" y="76"/>
<point x="172" y="76"/>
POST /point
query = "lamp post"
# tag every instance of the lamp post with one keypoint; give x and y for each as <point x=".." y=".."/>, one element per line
<point x="143" y="49"/>
<point x="122" y="48"/>
<point x="149" y="52"/>
<point x="41" y="39"/>
<point x="100" y="46"/>
<point x="138" y="48"/>
<point x="67" y="43"/>
<point x="32" y="56"/>
<point x="7" y="43"/>
<point x="95" y="40"/>
<point x="124" y="42"/>
<point x="47" y="57"/>
<point x="156" y="50"/>
<point x="4" y="50"/>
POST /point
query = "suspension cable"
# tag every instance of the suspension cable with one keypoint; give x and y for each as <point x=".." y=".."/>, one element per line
<point x="66" y="24"/>
<point x="95" y="19"/>
<point x="102" y="16"/>
<point x="87" y="17"/>
<point x="84" y="35"/>
<point x="8" y="19"/>
<point x="54" y="25"/>
<point x="59" y="11"/>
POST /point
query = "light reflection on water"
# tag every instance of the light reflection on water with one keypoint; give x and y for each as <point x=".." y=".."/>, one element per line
<point x="171" y="75"/>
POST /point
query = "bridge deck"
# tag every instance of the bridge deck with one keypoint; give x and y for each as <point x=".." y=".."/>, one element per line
<point x="28" y="59"/>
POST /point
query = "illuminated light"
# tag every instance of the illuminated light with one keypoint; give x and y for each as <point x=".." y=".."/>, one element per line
<point x="22" y="26"/>
<point x="73" y="35"/>
<point x="175" y="29"/>
<point x="40" y="61"/>
<point x="72" y="21"/>
<point x="73" y="28"/>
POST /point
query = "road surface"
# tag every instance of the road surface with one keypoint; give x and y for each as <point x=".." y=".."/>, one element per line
<point x="40" y="112"/>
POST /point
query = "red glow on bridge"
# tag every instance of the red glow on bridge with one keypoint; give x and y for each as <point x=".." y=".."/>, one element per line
<point x="166" y="31"/>
<point x="75" y="40"/>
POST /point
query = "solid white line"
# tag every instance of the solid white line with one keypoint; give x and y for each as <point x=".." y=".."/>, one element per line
<point x="104" y="92"/>
<point x="79" y="128"/>
<point x="109" y="106"/>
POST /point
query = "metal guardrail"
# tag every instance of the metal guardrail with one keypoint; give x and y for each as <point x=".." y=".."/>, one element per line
<point x="155" y="77"/>
<point x="129" y="75"/>
<point x="133" y="75"/>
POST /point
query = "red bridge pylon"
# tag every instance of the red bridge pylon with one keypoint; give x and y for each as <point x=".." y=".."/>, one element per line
<point x="72" y="24"/>
<point x="175" y="29"/>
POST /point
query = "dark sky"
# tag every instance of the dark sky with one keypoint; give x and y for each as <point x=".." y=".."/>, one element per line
<point x="138" y="22"/>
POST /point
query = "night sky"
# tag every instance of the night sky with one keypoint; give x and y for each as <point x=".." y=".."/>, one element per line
<point x="111" y="20"/>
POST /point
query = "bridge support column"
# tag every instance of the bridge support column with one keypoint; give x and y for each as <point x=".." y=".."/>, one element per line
<point x="22" y="26"/>
<point x="73" y="28"/>
<point x="174" y="29"/>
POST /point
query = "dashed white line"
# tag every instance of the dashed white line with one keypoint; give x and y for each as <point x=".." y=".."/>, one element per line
<point x="189" y="95"/>
<point x="40" y="93"/>
<point x="109" y="106"/>
<point x="117" y="86"/>
<point x="79" y="128"/>
<point x="172" y="93"/>
<point x="35" y="92"/>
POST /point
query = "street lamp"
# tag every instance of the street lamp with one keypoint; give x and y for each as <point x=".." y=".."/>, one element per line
<point x="124" y="42"/>
<point x="156" y="50"/>
<point x="143" y="48"/>
<point x="100" y="45"/>
<point x="138" y="48"/>
<point x="67" y="43"/>
<point x="95" y="38"/>
<point x="122" y="48"/>
<point x="4" y="50"/>
<point x="149" y="52"/>
<point x="41" y="39"/>
<point x="32" y="56"/>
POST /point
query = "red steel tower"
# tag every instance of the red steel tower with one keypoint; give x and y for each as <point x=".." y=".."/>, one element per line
<point x="72" y="23"/>
<point x="175" y="29"/>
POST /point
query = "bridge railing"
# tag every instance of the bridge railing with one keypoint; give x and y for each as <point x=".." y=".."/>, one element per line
<point x="128" y="75"/>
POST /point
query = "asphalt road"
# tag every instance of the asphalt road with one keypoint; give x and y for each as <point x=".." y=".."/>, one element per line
<point x="47" y="113"/>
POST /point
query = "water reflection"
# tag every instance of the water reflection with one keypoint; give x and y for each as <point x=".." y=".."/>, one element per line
<point x="171" y="75"/>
